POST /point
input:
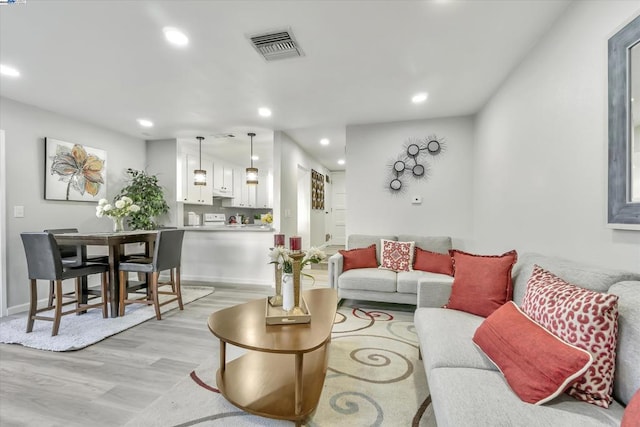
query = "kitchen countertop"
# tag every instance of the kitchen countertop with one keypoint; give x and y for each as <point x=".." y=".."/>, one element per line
<point x="230" y="227"/>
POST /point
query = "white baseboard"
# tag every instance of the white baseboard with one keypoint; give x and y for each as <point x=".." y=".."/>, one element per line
<point x="210" y="279"/>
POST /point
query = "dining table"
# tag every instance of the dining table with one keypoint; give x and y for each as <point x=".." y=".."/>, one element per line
<point x="115" y="241"/>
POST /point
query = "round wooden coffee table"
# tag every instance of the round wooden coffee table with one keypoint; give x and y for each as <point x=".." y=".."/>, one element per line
<point x="282" y="374"/>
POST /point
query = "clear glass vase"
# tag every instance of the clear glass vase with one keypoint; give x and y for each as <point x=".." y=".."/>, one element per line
<point x="118" y="224"/>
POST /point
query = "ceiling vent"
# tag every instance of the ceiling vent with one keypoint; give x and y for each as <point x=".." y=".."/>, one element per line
<point x="224" y="135"/>
<point x="276" y="45"/>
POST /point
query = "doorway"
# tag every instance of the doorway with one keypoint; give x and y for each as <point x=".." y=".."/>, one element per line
<point x="304" y="206"/>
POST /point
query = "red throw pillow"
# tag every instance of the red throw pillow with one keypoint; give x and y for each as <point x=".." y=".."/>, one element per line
<point x="396" y="256"/>
<point x="359" y="258"/>
<point x="482" y="283"/>
<point x="585" y="318"/>
<point x="537" y="365"/>
<point x="433" y="262"/>
<point x="631" y="417"/>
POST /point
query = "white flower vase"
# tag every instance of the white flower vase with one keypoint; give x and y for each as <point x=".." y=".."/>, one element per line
<point x="287" y="292"/>
<point x="118" y="225"/>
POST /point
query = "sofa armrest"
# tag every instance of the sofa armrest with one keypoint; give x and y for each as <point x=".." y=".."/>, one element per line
<point x="433" y="293"/>
<point x="335" y="269"/>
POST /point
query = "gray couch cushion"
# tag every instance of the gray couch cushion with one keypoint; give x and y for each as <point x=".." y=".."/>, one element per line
<point x="482" y="398"/>
<point x="368" y="279"/>
<point x="433" y="293"/>
<point x="439" y="244"/>
<point x="408" y="280"/>
<point x="445" y="339"/>
<point x="366" y="240"/>
<point x="583" y="275"/>
<point x="627" y="374"/>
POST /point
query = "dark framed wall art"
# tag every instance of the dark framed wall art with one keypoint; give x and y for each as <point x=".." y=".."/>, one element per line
<point x="317" y="190"/>
<point x="74" y="172"/>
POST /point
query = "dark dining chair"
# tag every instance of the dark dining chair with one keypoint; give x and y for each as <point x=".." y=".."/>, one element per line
<point x="138" y="255"/>
<point x="167" y="254"/>
<point x="72" y="256"/>
<point x="44" y="262"/>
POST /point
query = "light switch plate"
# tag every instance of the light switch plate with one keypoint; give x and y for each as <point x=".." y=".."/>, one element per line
<point x="18" y="211"/>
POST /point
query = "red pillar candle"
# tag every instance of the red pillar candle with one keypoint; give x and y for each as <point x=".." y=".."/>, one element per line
<point x="295" y="243"/>
<point x="278" y="239"/>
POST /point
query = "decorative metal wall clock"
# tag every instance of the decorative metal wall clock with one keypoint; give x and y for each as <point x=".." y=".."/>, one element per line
<point x="412" y="161"/>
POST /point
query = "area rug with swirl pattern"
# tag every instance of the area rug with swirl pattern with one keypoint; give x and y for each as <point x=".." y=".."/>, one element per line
<point x="374" y="379"/>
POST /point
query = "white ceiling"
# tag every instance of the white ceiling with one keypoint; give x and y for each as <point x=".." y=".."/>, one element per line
<point x="107" y="63"/>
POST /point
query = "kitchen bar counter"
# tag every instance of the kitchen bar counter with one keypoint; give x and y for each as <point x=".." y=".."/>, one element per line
<point x="228" y="254"/>
<point x="244" y="227"/>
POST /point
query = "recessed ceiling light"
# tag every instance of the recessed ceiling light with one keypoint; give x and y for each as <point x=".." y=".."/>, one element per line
<point x="341" y="162"/>
<point x="264" y="112"/>
<point x="254" y="157"/>
<point x="145" y="123"/>
<point x="5" y="70"/>
<point x="175" y="36"/>
<point x="419" y="97"/>
<point x="324" y="141"/>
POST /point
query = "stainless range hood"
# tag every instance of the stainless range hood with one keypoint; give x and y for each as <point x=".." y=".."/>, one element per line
<point x="219" y="195"/>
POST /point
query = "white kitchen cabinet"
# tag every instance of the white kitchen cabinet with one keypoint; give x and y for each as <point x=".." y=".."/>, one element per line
<point x="244" y="195"/>
<point x="191" y="193"/>
<point x="264" y="192"/>
<point x="223" y="179"/>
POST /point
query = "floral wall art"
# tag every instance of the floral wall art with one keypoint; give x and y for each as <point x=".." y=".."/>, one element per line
<point x="74" y="171"/>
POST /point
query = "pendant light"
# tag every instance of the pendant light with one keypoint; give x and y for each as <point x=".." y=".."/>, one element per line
<point x="200" y="175"/>
<point x="252" y="173"/>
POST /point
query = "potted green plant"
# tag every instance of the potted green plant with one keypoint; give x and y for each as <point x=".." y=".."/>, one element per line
<point x="145" y="192"/>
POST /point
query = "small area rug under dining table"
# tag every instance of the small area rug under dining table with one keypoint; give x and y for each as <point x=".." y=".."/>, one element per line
<point x="77" y="332"/>
<point x="374" y="379"/>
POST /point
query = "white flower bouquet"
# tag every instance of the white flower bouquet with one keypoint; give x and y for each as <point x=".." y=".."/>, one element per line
<point x="281" y="256"/>
<point x="121" y="208"/>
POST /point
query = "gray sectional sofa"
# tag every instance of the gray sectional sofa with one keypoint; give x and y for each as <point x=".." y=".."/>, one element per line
<point x="468" y="390"/>
<point x="373" y="284"/>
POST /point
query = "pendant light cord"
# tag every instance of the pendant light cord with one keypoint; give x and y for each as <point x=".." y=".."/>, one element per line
<point x="200" y="150"/>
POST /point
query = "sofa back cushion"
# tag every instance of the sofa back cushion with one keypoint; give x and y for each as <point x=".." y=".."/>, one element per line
<point x="627" y="373"/>
<point x="365" y="240"/>
<point x="440" y="244"/>
<point x="583" y="275"/>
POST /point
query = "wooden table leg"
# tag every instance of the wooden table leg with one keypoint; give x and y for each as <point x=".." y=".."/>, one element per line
<point x="114" y="279"/>
<point x="298" y="380"/>
<point x="223" y="356"/>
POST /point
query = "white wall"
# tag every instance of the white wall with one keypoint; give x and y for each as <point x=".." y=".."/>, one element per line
<point x="446" y="208"/>
<point x="540" y="157"/>
<point x="162" y="161"/>
<point x="25" y="129"/>
<point x="287" y="157"/>
<point x="3" y="227"/>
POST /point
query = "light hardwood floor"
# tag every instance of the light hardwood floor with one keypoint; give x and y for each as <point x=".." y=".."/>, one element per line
<point x="108" y="383"/>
